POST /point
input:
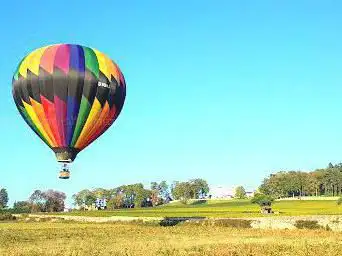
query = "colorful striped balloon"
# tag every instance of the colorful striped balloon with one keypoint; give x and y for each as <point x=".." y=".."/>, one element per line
<point x="69" y="95"/>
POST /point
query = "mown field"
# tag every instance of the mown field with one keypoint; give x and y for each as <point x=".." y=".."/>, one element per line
<point x="31" y="239"/>
<point x="220" y="208"/>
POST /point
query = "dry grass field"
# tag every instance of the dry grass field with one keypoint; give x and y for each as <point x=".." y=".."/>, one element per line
<point x="52" y="236"/>
<point x="28" y="239"/>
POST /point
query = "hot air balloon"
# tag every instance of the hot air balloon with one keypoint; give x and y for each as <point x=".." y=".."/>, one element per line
<point x="69" y="95"/>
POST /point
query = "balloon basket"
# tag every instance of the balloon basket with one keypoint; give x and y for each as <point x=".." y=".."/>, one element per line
<point x="64" y="173"/>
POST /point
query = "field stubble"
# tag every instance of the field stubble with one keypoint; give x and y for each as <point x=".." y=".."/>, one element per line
<point x="133" y="239"/>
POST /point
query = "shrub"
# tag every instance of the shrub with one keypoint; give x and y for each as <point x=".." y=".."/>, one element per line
<point x="45" y="219"/>
<point x="307" y="224"/>
<point x="233" y="223"/>
<point x="262" y="200"/>
<point x="7" y="216"/>
<point x="184" y="200"/>
<point x="339" y="201"/>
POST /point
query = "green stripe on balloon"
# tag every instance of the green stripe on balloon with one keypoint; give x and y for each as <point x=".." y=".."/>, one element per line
<point x="92" y="65"/>
<point x="81" y="119"/>
<point x="91" y="62"/>
<point x="16" y="74"/>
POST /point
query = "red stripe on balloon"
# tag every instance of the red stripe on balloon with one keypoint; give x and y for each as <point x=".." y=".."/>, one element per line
<point x="61" y="111"/>
<point x="112" y="115"/>
<point x="50" y="113"/>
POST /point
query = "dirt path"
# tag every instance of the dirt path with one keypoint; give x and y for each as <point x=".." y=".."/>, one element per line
<point x="333" y="222"/>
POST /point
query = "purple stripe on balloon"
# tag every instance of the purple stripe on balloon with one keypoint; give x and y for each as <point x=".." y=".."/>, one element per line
<point x="72" y="111"/>
<point x="77" y="58"/>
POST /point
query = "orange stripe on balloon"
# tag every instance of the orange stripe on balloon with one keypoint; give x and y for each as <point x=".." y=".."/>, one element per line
<point x="39" y="110"/>
<point x="100" y="122"/>
<point x="113" y="69"/>
<point x="108" y="121"/>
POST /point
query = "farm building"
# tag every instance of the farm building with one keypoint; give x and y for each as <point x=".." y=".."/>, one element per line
<point x="226" y="192"/>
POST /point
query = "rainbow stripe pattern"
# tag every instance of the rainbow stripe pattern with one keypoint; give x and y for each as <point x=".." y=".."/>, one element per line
<point x="68" y="94"/>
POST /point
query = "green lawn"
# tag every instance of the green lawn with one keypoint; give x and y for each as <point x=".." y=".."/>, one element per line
<point x="220" y="208"/>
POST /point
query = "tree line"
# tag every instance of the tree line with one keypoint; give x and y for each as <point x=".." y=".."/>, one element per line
<point x="39" y="201"/>
<point x="136" y="195"/>
<point x="320" y="182"/>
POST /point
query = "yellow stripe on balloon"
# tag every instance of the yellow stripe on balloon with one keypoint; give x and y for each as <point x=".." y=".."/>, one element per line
<point x="39" y="110"/>
<point x="101" y="58"/>
<point x="34" y="61"/>
<point x="91" y="120"/>
<point x="25" y="63"/>
<point x="35" y="120"/>
<point x="99" y="122"/>
<point x="113" y="69"/>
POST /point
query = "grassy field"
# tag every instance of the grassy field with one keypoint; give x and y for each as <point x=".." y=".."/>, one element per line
<point x="29" y="239"/>
<point x="219" y="208"/>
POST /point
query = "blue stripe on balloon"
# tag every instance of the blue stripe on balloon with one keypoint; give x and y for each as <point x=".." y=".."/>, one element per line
<point x="76" y="63"/>
<point x="72" y="107"/>
<point x="77" y="58"/>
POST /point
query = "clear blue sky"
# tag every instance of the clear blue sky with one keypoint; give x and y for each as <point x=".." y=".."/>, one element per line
<point x="229" y="91"/>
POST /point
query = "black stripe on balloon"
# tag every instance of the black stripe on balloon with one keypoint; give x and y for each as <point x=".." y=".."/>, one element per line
<point x="60" y="84"/>
<point x="119" y="97"/>
<point x="103" y="78"/>
<point x="102" y="89"/>
<point x="46" y="84"/>
<point x="33" y="86"/>
<point x="89" y="87"/>
<point x="23" y="90"/>
<point x="75" y="84"/>
<point x="122" y="80"/>
<point x="16" y="92"/>
<point x="113" y="86"/>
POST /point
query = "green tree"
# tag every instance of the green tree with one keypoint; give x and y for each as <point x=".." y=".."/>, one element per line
<point x="54" y="200"/>
<point x="22" y="207"/>
<point x="240" y="192"/>
<point x="80" y="198"/>
<point x="264" y="201"/>
<point x="135" y="194"/>
<point x="89" y="199"/>
<point x="182" y="191"/>
<point x="159" y="192"/>
<point x="116" y="202"/>
<point x="3" y="198"/>
<point x="37" y="201"/>
<point x="47" y="201"/>
<point x="199" y="188"/>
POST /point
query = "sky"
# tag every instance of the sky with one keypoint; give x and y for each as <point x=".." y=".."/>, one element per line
<point x="228" y="91"/>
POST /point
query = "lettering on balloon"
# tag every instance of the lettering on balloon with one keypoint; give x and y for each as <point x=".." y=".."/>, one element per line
<point x="103" y="84"/>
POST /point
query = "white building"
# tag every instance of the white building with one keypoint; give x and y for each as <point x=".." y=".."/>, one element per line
<point x="221" y="192"/>
<point x="226" y="192"/>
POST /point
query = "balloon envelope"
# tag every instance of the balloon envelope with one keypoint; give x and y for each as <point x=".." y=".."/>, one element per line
<point x="69" y="95"/>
